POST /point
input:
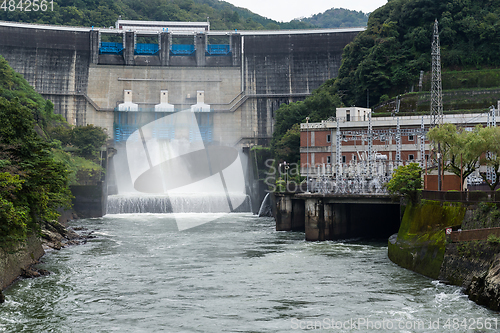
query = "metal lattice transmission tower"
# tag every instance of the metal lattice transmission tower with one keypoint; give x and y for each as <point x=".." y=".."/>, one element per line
<point x="436" y="84"/>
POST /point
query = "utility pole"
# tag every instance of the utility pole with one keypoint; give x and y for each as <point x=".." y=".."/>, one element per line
<point x="436" y="92"/>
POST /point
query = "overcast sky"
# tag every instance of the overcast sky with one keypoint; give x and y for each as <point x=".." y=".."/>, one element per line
<point x="286" y="10"/>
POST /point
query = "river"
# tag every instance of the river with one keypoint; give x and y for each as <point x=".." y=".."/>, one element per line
<point x="235" y="274"/>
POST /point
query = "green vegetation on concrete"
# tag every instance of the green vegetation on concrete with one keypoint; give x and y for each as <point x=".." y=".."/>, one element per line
<point x="421" y="242"/>
<point x="406" y="181"/>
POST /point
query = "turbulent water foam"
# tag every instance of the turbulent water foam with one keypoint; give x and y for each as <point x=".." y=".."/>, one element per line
<point x="179" y="203"/>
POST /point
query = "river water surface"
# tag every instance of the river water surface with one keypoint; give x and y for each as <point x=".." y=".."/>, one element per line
<point x="235" y="274"/>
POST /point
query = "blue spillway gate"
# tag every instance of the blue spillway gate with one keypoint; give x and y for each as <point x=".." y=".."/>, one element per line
<point x="110" y="48"/>
<point x="182" y="49"/>
<point x="218" y="49"/>
<point x="146" y="49"/>
<point x="126" y="123"/>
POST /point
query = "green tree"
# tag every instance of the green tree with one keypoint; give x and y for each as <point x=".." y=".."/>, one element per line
<point x="288" y="147"/>
<point x="491" y="136"/>
<point x="321" y="105"/>
<point x="406" y="181"/>
<point x="33" y="185"/>
<point x="88" y="140"/>
<point x="461" y="149"/>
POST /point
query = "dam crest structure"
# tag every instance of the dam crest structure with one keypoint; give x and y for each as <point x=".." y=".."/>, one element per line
<point x="227" y="84"/>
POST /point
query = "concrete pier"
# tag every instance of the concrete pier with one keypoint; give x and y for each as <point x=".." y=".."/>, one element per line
<point x="333" y="217"/>
<point x="290" y="213"/>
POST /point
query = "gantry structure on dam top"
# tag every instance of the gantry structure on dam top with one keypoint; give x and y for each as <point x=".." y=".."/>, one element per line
<point x="244" y="75"/>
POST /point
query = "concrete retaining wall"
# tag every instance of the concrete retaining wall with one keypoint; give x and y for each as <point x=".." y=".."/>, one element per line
<point x="89" y="200"/>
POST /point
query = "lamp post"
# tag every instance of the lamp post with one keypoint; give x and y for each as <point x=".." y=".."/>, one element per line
<point x="307" y="154"/>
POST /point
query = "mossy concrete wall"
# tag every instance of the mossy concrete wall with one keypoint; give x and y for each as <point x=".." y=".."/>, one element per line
<point x="420" y="243"/>
<point x="12" y="262"/>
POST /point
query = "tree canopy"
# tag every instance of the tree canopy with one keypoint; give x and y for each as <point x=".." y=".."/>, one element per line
<point x="388" y="56"/>
<point x="35" y="171"/>
<point x="104" y="13"/>
<point x="338" y="18"/>
<point x="320" y="105"/>
<point x="461" y="149"/>
<point x="406" y="181"/>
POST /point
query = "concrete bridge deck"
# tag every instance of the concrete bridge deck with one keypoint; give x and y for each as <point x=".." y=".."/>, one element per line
<point x="334" y="217"/>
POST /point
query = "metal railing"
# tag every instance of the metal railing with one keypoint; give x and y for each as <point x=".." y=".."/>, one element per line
<point x="462" y="196"/>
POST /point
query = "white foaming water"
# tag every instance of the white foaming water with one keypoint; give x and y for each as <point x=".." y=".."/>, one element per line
<point x="177" y="203"/>
<point x="177" y="174"/>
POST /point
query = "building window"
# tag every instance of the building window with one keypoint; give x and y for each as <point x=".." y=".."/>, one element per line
<point x="343" y="158"/>
<point x="354" y="157"/>
<point x="411" y="138"/>
<point x="328" y="138"/>
<point x="411" y="157"/>
<point x="427" y="157"/>
<point x="348" y="115"/>
<point x="328" y="159"/>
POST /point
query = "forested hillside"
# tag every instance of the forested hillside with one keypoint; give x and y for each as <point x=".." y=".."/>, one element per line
<point x="388" y="57"/>
<point x="338" y="18"/>
<point x="104" y="13"/>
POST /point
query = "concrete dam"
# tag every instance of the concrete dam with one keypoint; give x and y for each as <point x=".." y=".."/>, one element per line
<point x="243" y="87"/>
<point x="124" y="78"/>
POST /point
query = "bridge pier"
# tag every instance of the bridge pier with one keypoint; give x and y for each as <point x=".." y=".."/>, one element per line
<point x="94" y="47"/>
<point x="337" y="217"/>
<point x="200" y="43"/>
<point x="128" y="53"/>
<point x="290" y="213"/>
<point x="164" y="52"/>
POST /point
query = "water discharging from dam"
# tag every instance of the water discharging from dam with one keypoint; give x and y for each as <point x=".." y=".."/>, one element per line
<point x="165" y="167"/>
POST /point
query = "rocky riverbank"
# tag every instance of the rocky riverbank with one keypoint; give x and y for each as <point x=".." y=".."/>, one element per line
<point x="475" y="266"/>
<point x="21" y="262"/>
<point x="421" y="246"/>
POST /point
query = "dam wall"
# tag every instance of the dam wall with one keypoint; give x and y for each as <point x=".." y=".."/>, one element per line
<point x="243" y="87"/>
<point x="54" y="61"/>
